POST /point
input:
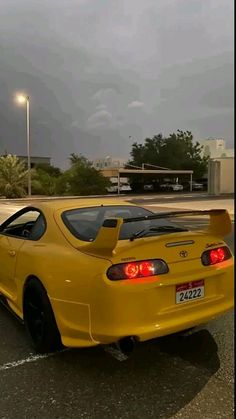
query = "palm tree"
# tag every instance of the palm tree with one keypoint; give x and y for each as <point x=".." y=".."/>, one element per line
<point x="79" y="159"/>
<point x="13" y="177"/>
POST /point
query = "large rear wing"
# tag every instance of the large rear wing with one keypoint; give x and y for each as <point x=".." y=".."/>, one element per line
<point x="108" y="235"/>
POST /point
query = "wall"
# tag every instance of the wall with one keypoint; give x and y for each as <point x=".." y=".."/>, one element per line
<point x="226" y="175"/>
<point x="214" y="177"/>
<point x="221" y="176"/>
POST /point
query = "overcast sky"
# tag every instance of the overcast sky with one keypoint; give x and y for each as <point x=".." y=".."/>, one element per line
<point x="101" y="71"/>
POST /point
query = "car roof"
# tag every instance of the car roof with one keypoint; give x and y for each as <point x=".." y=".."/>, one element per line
<point x="55" y="204"/>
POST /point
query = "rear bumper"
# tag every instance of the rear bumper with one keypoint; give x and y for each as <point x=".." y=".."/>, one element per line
<point x="166" y="325"/>
<point x="146" y="311"/>
<point x="152" y="312"/>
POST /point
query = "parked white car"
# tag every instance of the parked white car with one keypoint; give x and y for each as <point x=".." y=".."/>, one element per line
<point x="171" y="187"/>
<point x="124" y="187"/>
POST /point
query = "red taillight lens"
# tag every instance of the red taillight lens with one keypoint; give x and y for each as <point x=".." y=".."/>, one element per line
<point x="221" y="254"/>
<point x="214" y="258"/>
<point x="146" y="268"/>
<point x="131" y="270"/>
<point x="139" y="269"/>
<point x="211" y="257"/>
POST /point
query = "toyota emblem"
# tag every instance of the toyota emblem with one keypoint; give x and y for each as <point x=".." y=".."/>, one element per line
<point x="183" y="253"/>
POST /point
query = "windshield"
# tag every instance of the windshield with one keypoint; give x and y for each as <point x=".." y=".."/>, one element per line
<point x="84" y="223"/>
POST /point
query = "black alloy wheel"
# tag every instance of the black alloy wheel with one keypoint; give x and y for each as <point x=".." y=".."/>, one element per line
<point x="39" y="318"/>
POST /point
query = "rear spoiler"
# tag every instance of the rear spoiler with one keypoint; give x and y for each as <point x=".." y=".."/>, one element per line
<point x="108" y="235"/>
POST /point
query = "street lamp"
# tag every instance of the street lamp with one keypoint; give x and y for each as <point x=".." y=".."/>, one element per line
<point x="24" y="99"/>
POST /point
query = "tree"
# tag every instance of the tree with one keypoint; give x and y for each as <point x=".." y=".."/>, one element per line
<point x="78" y="158"/>
<point x="13" y="177"/>
<point x="44" y="179"/>
<point x="81" y="179"/>
<point x="48" y="168"/>
<point x="177" y="151"/>
<point x="43" y="183"/>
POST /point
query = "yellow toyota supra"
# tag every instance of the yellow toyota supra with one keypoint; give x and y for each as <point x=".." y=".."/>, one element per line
<point x="84" y="272"/>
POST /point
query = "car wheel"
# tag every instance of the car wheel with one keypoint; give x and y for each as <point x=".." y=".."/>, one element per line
<point x="39" y="318"/>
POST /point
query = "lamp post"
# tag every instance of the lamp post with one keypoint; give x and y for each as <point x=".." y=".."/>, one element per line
<point x="24" y="99"/>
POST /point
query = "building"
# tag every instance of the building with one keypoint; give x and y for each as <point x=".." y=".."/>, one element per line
<point x="36" y="160"/>
<point x="108" y="163"/>
<point x="221" y="176"/>
<point x="216" y="148"/>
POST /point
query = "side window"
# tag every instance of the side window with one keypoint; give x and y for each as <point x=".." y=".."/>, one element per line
<point x="83" y="223"/>
<point x="28" y="225"/>
<point x="38" y="229"/>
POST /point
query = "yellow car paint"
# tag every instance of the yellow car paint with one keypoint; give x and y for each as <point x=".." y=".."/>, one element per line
<point x="89" y="308"/>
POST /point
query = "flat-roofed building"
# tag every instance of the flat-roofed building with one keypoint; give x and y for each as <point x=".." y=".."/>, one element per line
<point x="216" y="148"/>
<point x="108" y="162"/>
<point x="36" y="160"/>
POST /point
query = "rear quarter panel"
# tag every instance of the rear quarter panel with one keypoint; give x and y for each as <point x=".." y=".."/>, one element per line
<point x="65" y="272"/>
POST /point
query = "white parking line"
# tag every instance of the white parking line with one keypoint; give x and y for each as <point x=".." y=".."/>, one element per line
<point x="31" y="358"/>
<point x="111" y="350"/>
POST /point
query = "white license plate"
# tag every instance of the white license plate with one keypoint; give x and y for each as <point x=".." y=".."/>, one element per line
<point x="189" y="291"/>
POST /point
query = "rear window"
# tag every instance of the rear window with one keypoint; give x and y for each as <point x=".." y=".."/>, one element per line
<point x="84" y="223"/>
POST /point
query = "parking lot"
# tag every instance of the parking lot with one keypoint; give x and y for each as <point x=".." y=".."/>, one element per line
<point x="172" y="377"/>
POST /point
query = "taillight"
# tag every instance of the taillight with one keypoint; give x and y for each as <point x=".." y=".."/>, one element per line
<point x="214" y="256"/>
<point x="139" y="269"/>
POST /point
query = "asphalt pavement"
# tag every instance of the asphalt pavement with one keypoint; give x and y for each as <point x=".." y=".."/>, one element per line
<point x="176" y="201"/>
<point x="172" y="377"/>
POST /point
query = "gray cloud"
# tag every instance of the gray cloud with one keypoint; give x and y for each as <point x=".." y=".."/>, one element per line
<point x="84" y="62"/>
<point x="136" y="104"/>
<point x="100" y="119"/>
<point x="101" y="107"/>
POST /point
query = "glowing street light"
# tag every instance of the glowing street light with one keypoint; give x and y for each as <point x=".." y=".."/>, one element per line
<point x="24" y="99"/>
<point x="21" y="99"/>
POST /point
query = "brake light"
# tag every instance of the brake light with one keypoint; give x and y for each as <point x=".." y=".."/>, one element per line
<point x="214" y="256"/>
<point x="146" y="268"/>
<point x="139" y="269"/>
<point x="131" y="270"/>
<point x="220" y="254"/>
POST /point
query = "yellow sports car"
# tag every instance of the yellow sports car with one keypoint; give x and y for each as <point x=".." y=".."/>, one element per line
<point x="83" y="272"/>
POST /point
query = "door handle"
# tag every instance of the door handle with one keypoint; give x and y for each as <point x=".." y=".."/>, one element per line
<point x="12" y="252"/>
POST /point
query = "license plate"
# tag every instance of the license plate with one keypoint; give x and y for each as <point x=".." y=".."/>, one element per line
<point x="189" y="291"/>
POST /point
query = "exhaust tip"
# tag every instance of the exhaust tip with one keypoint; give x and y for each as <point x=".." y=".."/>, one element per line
<point x="126" y="345"/>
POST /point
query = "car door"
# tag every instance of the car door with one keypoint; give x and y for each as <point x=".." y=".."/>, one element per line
<point x="9" y="248"/>
<point x="12" y="237"/>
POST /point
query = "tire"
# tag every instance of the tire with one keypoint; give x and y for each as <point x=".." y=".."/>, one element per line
<point x="39" y="318"/>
